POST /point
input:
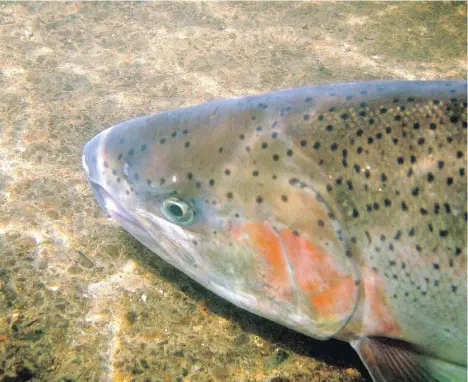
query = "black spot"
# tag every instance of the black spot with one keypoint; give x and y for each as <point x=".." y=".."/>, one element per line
<point x="227" y="171"/>
<point x="404" y="206"/>
<point x="423" y="211"/>
<point x="440" y="164"/>
<point x="275" y="157"/>
<point x="370" y="140"/>
<point x="454" y="118"/>
<point x="416" y="126"/>
<point x="362" y="113"/>
<point x="443" y="233"/>
<point x="383" y="177"/>
<point x="255" y="173"/>
<point x="333" y="146"/>
<point x="421" y="141"/>
<point x="211" y="182"/>
<point x="430" y="177"/>
<point x="410" y="172"/>
<point x="387" y="202"/>
<point x="329" y="127"/>
<point x="264" y="145"/>
<point x="303" y="143"/>
<point x="320" y="117"/>
<point x="316" y="145"/>
<point x="220" y="150"/>
<point x="339" y="180"/>
<point x="131" y="152"/>
<point x="411" y="231"/>
<point x="187" y="145"/>
<point x="344" y="116"/>
<point x="332" y="109"/>
<point x="190" y="176"/>
<point x="259" y="128"/>
<point x="229" y="195"/>
<point x="289" y="153"/>
<point x="162" y="141"/>
<point x="459" y="154"/>
<point x="284" y="198"/>
<point x="367" y="174"/>
<point x="320" y="223"/>
<point x="397" y="235"/>
<point x="388" y="130"/>
<point x="410" y="99"/>
<point x="433" y="126"/>
<point x="306" y="117"/>
<point x="174" y="134"/>
<point x="259" y="199"/>
<point x="355" y="213"/>
<point x="449" y="181"/>
<point x="461" y="171"/>
<point x="378" y="135"/>
<point x="185" y="132"/>
<point x="383" y="110"/>
<point x="136" y="176"/>
<point x="357" y="168"/>
<point x="397" y="117"/>
<point x="241" y="136"/>
<point x="274" y="135"/>
<point x="308" y="99"/>
<point x="359" y="150"/>
<point x="400" y="160"/>
<point x="198" y="184"/>
<point x="415" y="191"/>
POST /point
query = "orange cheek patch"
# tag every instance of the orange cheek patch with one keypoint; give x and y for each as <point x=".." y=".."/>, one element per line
<point x="265" y="240"/>
<point x="330" y="291"/>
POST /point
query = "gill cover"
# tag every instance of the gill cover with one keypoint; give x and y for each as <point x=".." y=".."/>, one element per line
<point x="308" y="271"/>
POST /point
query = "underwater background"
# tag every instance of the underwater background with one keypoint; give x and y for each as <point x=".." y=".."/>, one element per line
<point x="80" y="299"/>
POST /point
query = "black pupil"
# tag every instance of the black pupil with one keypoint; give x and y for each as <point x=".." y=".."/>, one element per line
<point x="176" y="210"/>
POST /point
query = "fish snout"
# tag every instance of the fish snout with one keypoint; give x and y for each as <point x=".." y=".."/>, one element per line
<point x="90" y="156"/>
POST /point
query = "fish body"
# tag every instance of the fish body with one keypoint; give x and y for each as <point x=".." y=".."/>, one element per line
<point x="336" y="210"/>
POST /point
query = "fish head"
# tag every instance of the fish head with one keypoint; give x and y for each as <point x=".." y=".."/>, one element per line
<point x="211" y="196"/>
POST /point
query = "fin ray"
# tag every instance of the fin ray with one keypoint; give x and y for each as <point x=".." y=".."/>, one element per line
<point x="393" y="360"/>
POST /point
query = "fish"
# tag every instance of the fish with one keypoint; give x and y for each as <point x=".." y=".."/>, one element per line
<point x="336" y="210"/>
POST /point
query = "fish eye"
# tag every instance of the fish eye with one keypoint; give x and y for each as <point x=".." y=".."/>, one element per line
<point x="178" y="211"/>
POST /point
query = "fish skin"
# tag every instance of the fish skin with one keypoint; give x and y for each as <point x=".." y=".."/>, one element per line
<point x="336" y="210"/>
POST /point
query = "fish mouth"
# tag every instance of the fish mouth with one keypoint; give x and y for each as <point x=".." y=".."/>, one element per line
<point x="116" y="211"/>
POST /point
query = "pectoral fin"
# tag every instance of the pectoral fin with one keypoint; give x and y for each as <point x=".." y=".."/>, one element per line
<point x="392" y="360"/>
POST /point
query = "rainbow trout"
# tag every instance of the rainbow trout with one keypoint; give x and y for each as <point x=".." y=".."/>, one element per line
<point x="336" y="210"/>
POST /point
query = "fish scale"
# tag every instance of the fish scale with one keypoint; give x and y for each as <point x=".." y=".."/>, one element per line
<point x="336" y="210"/>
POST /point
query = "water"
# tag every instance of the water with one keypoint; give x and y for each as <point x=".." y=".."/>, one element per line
<point x="79" y="298"/>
